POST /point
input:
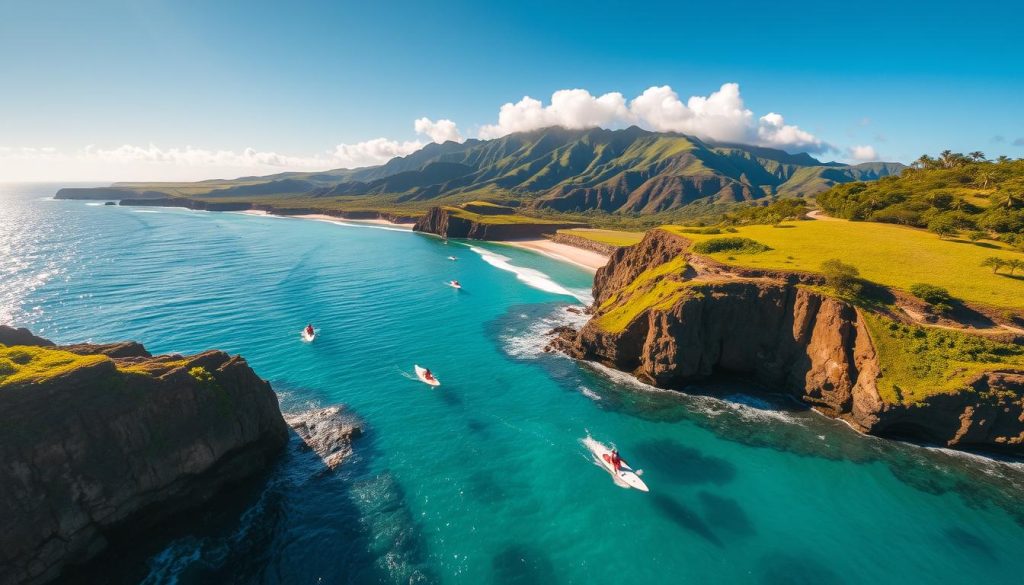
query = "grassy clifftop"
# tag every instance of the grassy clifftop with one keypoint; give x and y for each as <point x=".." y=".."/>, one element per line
<point x="889" y="255"/>
<point x="31" y="364"/>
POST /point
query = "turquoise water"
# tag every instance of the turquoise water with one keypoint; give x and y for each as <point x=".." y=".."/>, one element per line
<point x="484" y="480"/>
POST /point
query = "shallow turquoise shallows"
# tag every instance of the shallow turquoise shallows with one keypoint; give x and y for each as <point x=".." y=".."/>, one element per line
<point x="484" y="480"/>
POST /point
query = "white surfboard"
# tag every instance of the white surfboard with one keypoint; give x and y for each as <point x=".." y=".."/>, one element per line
<point x="421" y="373"/>
<point x="602" y="455"/>
<point x="454" y="284"/>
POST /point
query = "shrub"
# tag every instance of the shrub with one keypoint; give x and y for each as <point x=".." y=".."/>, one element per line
<point x="7" y="367"/>
<point x="844" y="278"/>
<point x="975" y="235"/>
<point x="931" y="294"/>
<point x="737" y="245"/>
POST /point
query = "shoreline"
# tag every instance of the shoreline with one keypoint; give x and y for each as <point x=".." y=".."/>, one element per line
<point x="589" y="260"/>
<point x="586" y="259"/>
<point x="330" y="218"/>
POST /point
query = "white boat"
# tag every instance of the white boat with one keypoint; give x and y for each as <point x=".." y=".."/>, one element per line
<point x="602" y="455"/>
<point x="421" y="373"/>
<point x="307" y="337"/>
<point x="454" y="284"/>
<point x="452" y="258"/>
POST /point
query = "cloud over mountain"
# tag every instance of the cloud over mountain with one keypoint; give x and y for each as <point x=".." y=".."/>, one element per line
<point x="720" y="116"/>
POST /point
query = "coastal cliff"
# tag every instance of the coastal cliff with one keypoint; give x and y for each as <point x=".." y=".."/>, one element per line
<point x="100" y="442"/>
<point x="453" y="222"/>
<point x="670" y="318"/>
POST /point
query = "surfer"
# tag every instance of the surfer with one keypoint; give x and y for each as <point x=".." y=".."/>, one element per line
<point x="616" y="461"/>
<point x="309" y="330"/>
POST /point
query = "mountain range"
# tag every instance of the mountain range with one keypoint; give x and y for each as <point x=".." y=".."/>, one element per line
<point x="619" y="171"/>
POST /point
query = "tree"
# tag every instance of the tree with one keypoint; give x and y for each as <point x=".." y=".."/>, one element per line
<point x="1009" y="199"/>
<point x="994" y="262"/>
<point x="930" y="294"/>
<point x="975" y="235"/>
<point x="843" y="278"/>
<point x="944" y="226"/>
<point x="977" y="156"/>
<point x="985" y="177"/>
<point x="1014" y="265"/>
<point x="1003" y="159"/>
<point x="925" y="162"/>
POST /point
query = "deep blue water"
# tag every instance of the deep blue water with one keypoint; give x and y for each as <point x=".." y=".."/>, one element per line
<point x="484" y="480"/>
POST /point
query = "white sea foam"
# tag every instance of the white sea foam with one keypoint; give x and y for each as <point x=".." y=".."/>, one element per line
<point x="589" y="393"/>
<point x="530" y="276"/>
<point x="144" y="211"/>
<point x="745" y="406"/>
<point x="530" y="343"/>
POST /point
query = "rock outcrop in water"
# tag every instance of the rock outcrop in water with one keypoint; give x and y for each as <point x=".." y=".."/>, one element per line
<point x="328" y="432"/>
<point x="117" y="441"/>
<point x="787" y="337"/>
<point x="449" y="223"/>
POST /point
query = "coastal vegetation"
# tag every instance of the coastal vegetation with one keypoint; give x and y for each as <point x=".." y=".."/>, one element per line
<point x="919" y="362"/>
<point x="950" y="194"/>
<point x="889" y="255"/>
<point x="736" y="245"/>
<point x="610" y="237"/>
<point x="658" y="287"/>
<point x="30" y="364"/>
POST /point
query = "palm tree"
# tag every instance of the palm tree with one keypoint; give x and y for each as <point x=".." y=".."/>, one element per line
<point x="985" y="177"/>
<point x="1009" y="199"/>
<point x="977" y="156"/>
<point x="946" y="158"/>
<point x="994" y="262"/>
<point x="924" y="162"/>
<point x="1003" y="159"/>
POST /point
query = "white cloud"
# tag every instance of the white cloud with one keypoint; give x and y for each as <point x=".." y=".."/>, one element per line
<point x="132" y="162"/>
<point x="372" y="152"/>
<point x="863" y="153"/>
<point x="570" y="108"/>
<point x="720" y="116"/>
<point x="441" y="131"/>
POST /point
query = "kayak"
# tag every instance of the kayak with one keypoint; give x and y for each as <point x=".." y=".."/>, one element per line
<point x="454" y="284"/>
<point x="421" y="373"/>
<point x="626" y="476"/>
<point x="307" y="337"/>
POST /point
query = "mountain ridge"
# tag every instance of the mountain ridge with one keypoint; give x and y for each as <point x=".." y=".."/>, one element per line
<point x="631" y="170"/>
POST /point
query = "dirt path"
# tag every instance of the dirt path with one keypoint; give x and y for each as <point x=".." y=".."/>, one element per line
<point x="819" y="214"/>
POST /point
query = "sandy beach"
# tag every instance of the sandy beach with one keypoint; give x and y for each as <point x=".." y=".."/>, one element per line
<point x="384" y="222"/>
<point x="564" y="252"/>
<point x="587" y="259"/>
<point x="335" y="219"/>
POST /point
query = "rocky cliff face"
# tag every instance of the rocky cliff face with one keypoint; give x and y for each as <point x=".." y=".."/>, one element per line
<point x="448" y="224"/>
<point x="123" y="442"/>
<point x="788" y="338"/>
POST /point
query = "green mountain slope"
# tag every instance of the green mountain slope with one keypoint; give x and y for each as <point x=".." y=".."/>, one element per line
<point x="616" y="171"/>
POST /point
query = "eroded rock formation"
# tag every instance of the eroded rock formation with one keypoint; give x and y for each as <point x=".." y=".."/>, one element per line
<point x="126" y="439"/>
<point x="788" y="338"/>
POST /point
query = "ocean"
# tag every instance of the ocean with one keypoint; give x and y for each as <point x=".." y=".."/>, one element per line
<point x="484" y="479"/>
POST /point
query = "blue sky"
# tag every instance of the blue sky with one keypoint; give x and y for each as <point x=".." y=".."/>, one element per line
<point x="180" y="81"/>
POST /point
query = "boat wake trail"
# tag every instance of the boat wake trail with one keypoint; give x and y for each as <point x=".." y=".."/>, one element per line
<point x="530" y="276"/>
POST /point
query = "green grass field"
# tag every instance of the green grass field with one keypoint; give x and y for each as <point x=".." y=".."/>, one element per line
<point x="611" y="237"/>
<point x="886" y="254"/>
<point x="500" y="219"/>
<point x="30" y="364"/>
